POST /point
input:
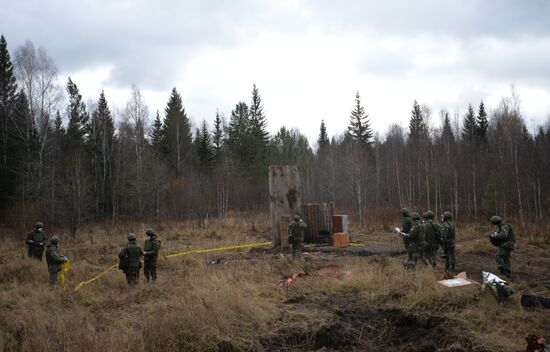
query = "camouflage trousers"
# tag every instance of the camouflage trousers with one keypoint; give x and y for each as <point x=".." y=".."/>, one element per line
<point x="297" y="247"/>
<point x="450" y="259"/>
<point x="150" y="269"/>
<point x="35" y="252"/>
<point x="132" y="277"/>
<point x="53" y="279"/>
<point x="503" y="260"/>
<point x="430" y="254"/>
<point x="407" y="244"/>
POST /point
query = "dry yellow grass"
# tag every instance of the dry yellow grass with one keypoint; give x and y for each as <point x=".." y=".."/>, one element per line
<point x="199" y="306"/>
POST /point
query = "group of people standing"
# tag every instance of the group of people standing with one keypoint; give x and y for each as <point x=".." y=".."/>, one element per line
<point x="131" y="256"/>
<point x="423" y="236"/>
<point x="36" y="242"/>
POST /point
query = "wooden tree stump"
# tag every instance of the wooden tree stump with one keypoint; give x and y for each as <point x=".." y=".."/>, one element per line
<point x="285" y="198"/>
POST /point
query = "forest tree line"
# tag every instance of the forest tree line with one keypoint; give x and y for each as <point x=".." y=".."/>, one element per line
<point x="73" y="162"/>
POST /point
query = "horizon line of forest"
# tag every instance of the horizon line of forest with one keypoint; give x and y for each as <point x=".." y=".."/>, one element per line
<point x="69" y="163"/>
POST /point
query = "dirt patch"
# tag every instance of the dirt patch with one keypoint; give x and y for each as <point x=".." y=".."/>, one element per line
<point x="360" y="326"/>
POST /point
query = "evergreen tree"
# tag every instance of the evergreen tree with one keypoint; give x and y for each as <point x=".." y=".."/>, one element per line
<point x="217" y="137"/>
<point x="78" y="117"/>
<point x="417" y="124"/>
<point x="482" y="124"/>
<point x="470" y="125"/>
<point x="258" y="121"/>
<point x="156" y="133"/>
<point x="323" y="141"/>
<point x="8" y="95"/>
<point x="176" y="133"/>
<point x="238" y="134"/>
<point x="359" y="125"/>
<point x="58" y="125"/>
<point x="205" y="149"/>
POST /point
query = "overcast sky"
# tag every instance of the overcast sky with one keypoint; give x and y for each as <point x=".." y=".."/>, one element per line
<point x="308" y="58"/>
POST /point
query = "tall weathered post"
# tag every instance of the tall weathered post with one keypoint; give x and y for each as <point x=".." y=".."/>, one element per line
<point x="285" y="197"/>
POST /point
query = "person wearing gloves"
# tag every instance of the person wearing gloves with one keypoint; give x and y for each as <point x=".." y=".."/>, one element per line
<point x="54" y="260"/>
<point x="35" y="242"/>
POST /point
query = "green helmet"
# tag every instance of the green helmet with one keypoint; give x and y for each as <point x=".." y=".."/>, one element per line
<point x="39" y="225"/>
<point x="296" y="218"/>
<point x="447" y="215"/>
<point x="428" y="215"/>
<point x="54" y="240"/>
<point x="131" y="237"/>
<point x="495" y="219"/>
<point x="405" y="212"/>
<point x="150" y="232"/>
<point x="415" y="216"/>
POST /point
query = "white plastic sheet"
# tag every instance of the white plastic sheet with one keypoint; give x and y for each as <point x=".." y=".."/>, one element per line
<point x="491" y="279"/>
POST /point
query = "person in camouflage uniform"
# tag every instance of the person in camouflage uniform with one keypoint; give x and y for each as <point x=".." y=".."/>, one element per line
<point x="131" y="254"/>
<point x="150" y="254"/>
<point x="36" y="239"/>
<point x="54" y="260"/>
<point x="406" y="228"/>
<point x="417" y="239"/>
<point x="448" y="235"/>
<point x="296" y="231"/>
<point x="433" y="233"/>
<point x="505" y="240"/>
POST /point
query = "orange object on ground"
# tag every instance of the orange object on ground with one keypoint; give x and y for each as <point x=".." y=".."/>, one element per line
<point x="341" y="240"/>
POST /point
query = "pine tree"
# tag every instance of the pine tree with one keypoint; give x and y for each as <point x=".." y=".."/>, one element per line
<point x="156" y="133"/>
<point x="417" y="124"/>
<point x="176" y="133"/>
<point x="323" y="141"/>
<point x="204" y="144"/>
<point x="238" y="133"/>
<point x="78" y="117"/>
<point x="257" y="117"/>
<point x="8" y="96"/>
<point x="359" y="125"/>
<point x="470" y="125"/>
<point x="482" y="124"/>
<point x="218" y="137"/>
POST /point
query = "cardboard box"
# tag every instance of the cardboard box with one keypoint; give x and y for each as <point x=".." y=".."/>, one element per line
<point x="341" y="240"/>
<point x="340" y="224"/>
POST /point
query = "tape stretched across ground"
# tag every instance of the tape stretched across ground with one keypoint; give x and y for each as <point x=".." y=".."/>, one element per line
<point x="173" y="255"/>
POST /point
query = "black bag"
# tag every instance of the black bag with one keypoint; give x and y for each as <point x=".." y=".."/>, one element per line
<point x="123" y="262"/>
<point x="290" y="239"/>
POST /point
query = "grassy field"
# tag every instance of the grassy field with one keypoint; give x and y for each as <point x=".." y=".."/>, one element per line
<point x="229" y="301"/>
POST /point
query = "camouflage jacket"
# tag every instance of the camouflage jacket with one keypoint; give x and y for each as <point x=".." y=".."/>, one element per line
<point x="296" y="229"/>
<point x="53" y="258"/>
<point x="433" y="232"/>
<point x="134" y="253"/>
<point x="37" y="237"/>
<point x="448" y="232"/>
<point x="151" y="248"/>
<point x="506" y="234"/>
<point x="407" y="224"/>
<point x="417" y="235"/>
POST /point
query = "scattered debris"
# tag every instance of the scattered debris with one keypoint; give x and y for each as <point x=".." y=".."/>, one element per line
<point x="329" y="272"/>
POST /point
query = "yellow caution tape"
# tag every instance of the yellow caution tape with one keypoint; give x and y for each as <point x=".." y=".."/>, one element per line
<point x="263" y="244"/>
<point x="357" y="245"/>
<point x="84" y="283"/>
<point x="64" y="268"/>
<point x="179" y="254"/>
